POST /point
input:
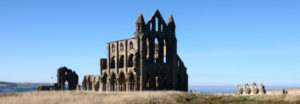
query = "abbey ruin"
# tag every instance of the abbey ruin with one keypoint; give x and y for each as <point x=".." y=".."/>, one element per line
<point x="148" y="61"/>
<point x="63" y="75"/>
<point x="251" y="90"/>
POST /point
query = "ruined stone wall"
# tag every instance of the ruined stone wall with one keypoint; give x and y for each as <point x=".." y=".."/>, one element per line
<point x="251" y="90"/>
<point x="91" y="83"/>
<point x="63" y="75"/>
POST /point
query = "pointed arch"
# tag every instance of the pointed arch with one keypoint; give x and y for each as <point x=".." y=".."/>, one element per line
<point x="121" y="46"/>
<point x="130" y="45"/>
<point x="130" y="60"/>
<point x="148" y="48"/>
<point x="122" y="82"/>
<point x="121" y="61"/>
<point x="156" y="50"/>
<point x="113" y="82"/>
<point x="112" y="62"/>
<point x="131" y="81"/>
<point x="151" y="27"/>
<point x="164" y="51"/>
<point x="113" y="48"/>
<point x="104" y="82"/>
<point x="156" y="24"/>
<point x="157" y="19"/>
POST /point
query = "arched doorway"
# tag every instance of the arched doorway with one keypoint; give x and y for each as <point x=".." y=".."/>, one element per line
<point x="122" y="82"/>
<point x="131" y="82"/>
<point x="66" y="77"/>
<point x="66" y="85"/>
<point x="113" y="82"/>
<point x="104" y="82"/>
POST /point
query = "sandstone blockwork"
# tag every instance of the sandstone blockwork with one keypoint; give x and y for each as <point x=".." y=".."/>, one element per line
<point x="148" y="61"/>
<point x="91" y="83"/>
<point x="63" y="75"/>
<point x="66" y="75"/>
<point x="251" y="90"/>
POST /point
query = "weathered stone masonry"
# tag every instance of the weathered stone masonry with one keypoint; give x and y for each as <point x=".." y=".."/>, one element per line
<point x="63" y="75"/>
<point x="148" y="61"/>
<point x="251" y="90"/>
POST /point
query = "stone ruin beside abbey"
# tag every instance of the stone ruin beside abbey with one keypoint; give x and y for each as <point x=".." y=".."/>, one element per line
<point x="63" y="75"/>
<point x="147" y="61"/>
<point x="251" y="90"/>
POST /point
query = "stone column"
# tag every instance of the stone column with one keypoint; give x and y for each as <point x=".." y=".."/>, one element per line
<point x="100" y="84"/>
<point x="127" y="83"/>
<point x="117" y="85"/>
<point x="108" y="84"/>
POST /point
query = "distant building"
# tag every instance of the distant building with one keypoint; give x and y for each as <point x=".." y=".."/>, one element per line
<point x="148" y="61"/>
<point x="251" y="90"/>
<point x="63" y="75"/>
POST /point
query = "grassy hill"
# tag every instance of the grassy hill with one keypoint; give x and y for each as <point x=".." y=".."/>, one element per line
<point x="146" y="97"/>
<point x="7" y="87"/>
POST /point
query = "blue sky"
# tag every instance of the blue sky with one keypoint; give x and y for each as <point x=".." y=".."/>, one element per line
<point x="221" y="42"/>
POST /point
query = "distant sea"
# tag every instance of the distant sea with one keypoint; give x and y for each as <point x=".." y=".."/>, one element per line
<point x="9" y="87"/>
<point x="228" y="89"/>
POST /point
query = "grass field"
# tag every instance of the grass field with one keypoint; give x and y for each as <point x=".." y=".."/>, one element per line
<point x="153" y="97"/>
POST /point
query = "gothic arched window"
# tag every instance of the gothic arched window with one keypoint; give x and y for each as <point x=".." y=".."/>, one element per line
<point x="121" y="62"/>
<point x="113" y="48"/>
<point x="156" y="50"/>
<point x="121" y="46"/>
<point x="130" y="61"/>
<point x="112" y="62"/>
<point x="130" y="45"/>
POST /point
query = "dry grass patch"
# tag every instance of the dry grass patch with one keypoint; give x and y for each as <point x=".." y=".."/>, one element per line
<point x="146" y="97"/>
<point x="86" y="97"/>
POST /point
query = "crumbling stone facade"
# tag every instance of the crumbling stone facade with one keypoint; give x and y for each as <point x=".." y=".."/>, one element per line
<point x="253" y="90"/>
<point x="148" y="61"/>
<point x="91" y="83"/>
<point x="63" y="75"/>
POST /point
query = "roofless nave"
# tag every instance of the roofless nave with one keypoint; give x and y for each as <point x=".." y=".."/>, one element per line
<point x="148" y="61"/>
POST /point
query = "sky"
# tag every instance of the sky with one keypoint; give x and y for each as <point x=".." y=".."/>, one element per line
<point x="222" y="42"/>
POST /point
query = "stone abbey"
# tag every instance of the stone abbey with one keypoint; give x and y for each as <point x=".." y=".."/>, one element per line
<point x="148" y="61"/>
